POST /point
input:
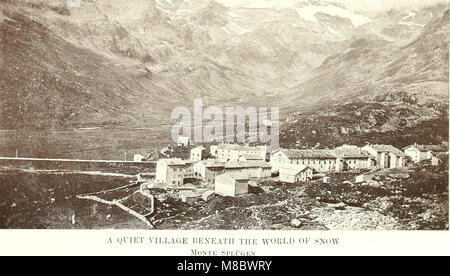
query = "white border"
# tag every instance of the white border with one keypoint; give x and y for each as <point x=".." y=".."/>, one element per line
<point x="82" y="242"/>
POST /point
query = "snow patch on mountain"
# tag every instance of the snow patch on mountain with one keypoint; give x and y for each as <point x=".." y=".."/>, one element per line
<point x="306" y="9"/>
<point x="334" y="32"/>
<point x="308" y="12"/>
<point x="410" y="15"/>
<point x="411" y="24"/>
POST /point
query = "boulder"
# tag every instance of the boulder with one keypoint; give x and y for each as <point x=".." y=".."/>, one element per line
<point x="427" y="215"/>
<point x="296" y="223"/>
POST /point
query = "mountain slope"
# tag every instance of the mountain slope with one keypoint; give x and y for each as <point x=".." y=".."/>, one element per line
<point x="380" y="94"/>
<point x="48" y="82"/>
<point x="113" y="63"/>
<point x="372" y="65"/>
<point x="67" y="69"/>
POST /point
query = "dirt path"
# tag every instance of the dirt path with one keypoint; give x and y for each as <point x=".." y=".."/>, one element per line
<point x="121" y="206"/>
<point x="74" y="172"/>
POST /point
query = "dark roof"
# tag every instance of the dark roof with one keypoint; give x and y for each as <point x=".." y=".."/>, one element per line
<point x="247" y="164"/>
<point x="387" y="148"/>
<point x="352" y="154"/>
<point x="294" y="170"/>
<point x="317" y="154"/>
<point x="252" y="157"/>
<point x="214" y="164"/>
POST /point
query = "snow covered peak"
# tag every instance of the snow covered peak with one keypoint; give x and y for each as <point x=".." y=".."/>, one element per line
<point x="306" y="9"/>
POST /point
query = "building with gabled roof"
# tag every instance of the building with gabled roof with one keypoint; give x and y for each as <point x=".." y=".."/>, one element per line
<point x="232" y="152"/>
<point x="419" y="153"/>
<point x="295" y="174"/>
<point x="198" y="153"/>
<point x="386" y="156"/>
<point x="353" y="158"/>
<point x="317" y="159"/>
<point x="188" y="196"/>
<point x="208" y="170"/>
<point x="250" y="157"/>
<point x="249" y="169"/>
<point x="382" y="148"/>
<point x="170" y="172"/>
<point x="231" y="185"/>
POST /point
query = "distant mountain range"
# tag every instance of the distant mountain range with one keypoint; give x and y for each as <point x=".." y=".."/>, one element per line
<point x="129" y="63"/>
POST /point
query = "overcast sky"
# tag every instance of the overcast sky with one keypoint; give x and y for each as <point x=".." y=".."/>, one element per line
<point x="357" y="5"/>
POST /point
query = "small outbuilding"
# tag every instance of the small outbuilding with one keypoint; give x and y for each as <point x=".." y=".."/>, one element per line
<point x="296" y="174"/>
<point x="231" y="185"/>
<point x="188" y="196"/>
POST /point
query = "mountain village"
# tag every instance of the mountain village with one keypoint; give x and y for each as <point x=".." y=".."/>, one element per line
<point x="229" y="169"/>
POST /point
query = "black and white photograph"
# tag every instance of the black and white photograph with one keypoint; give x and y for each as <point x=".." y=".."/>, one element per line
<point x="313" y="115"/>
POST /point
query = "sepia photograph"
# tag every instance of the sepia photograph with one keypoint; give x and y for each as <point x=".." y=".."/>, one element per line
<point x="313" y="115"/>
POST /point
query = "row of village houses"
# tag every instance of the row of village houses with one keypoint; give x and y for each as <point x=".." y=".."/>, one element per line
<point x="232" y="163"/>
